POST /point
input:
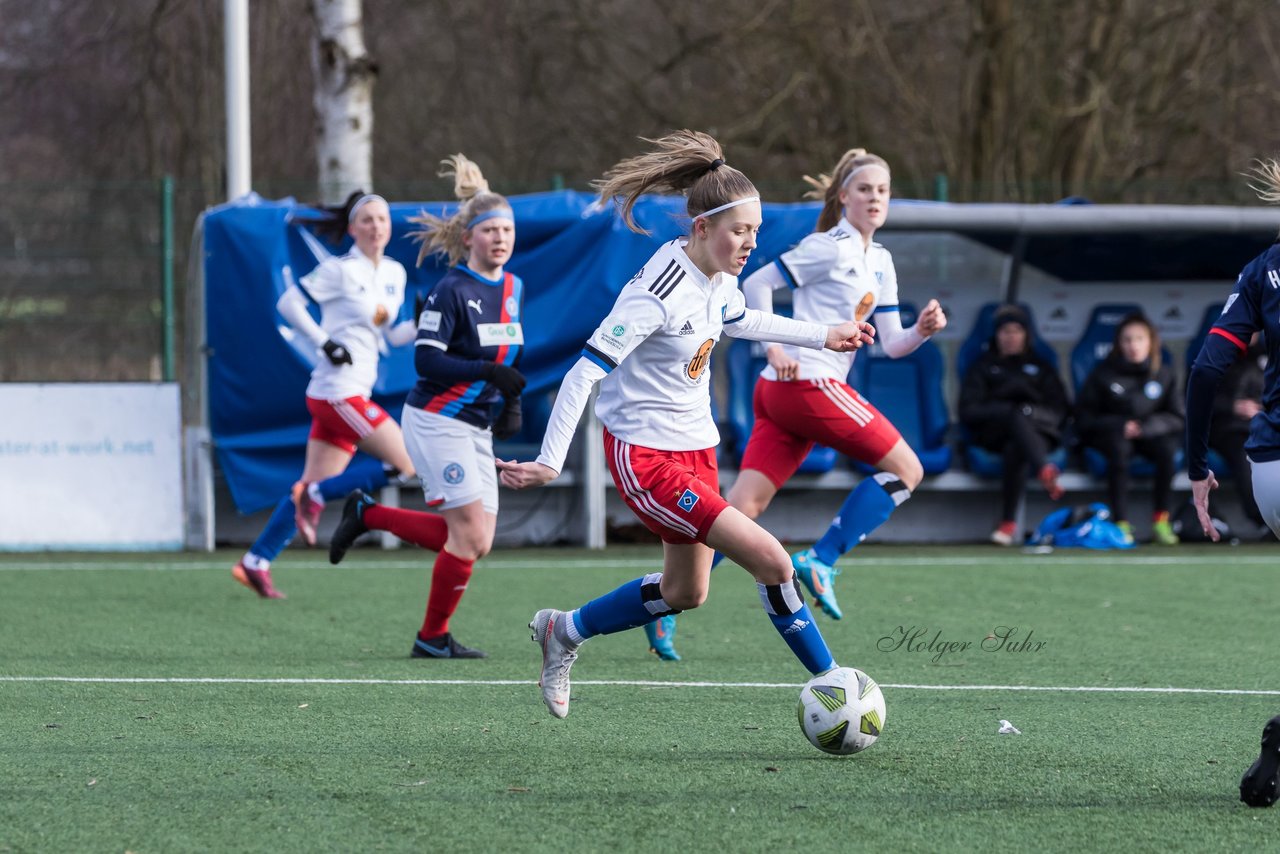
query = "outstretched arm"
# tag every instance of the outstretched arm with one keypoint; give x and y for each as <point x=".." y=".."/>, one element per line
<point x="575" y="390"/>
<point x="899" y="342"/>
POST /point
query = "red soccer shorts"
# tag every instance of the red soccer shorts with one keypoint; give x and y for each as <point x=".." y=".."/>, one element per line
<point x="791" y="417"/>
<point x="676" y="494"/>
<point x="343" y="423"/>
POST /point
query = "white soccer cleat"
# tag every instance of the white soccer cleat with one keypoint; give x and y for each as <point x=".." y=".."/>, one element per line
<point x="557" y="657"/>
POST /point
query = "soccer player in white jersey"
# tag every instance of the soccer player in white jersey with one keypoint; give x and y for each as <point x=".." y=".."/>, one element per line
<point x="1254" y="305"/>
<point x="468" y="391"/>
<point x="359" y="294"/>
<point x="802" y="397"/>
<point x="651" y="356"/>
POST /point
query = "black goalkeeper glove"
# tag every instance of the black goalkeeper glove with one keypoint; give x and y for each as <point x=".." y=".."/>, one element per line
<point x="509" y="381"/>
<point x="509" y="420"/>
<point x="338" y="355"/>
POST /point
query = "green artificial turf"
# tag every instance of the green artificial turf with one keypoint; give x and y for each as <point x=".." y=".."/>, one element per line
<point x="447" y="756"/>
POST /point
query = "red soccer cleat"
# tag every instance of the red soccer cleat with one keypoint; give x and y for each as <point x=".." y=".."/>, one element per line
<point x="257" y="580"/>
<point x="306" y="512"/>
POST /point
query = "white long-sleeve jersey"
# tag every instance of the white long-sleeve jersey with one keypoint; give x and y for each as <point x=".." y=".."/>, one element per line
<point x="835" y="279"/>
<point x="652" y="356"/>
<point x="349" y="290"/>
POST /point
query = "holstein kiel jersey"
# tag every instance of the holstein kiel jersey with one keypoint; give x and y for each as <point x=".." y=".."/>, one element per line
<point x="655" y="346"/>
<point x="349" y="290"/>
<point x="469" y="317"/>
<point x="1255" y="305"/>
<point x="833" y="279"/>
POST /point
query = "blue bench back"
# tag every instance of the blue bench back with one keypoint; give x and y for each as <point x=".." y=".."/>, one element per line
<point x="909" y="392"/>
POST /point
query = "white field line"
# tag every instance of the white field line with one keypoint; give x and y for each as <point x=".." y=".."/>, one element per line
<point x="586" y="562"/>
<point x="633" y="683"/>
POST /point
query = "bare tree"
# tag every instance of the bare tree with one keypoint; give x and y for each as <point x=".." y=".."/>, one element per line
<point x="344" y="78"/>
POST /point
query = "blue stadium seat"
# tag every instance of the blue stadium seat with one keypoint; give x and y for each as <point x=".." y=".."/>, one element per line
<point x="980" y="461"/>
<point x="1093" y="346"/>
<point x="908" y="391"/>
<point x="745" y="362"/>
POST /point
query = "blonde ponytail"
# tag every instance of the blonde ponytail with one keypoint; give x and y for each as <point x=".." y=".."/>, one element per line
<point x="826" y="188"/>
<point x="444" y="235"/>
<point x="687" y="162"/>
<point x="1267" y="176"/>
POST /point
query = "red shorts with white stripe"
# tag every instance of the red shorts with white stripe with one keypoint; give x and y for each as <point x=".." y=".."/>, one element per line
<point x="791" y="417"/>
<point x="343" y="423"/>
<point x="676" y="494"/>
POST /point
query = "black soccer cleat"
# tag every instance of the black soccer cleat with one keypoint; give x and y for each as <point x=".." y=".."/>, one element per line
<point x="443" y="646"/>
<point x="1260" y="785"/>
<point x="350" y="527"/>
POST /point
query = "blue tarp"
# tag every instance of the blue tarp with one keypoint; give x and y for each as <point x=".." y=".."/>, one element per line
<point x="574" y="259"/>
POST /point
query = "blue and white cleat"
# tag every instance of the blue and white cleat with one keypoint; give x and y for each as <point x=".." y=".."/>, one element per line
<point x="819" y="578"/>
<point x="662" y="636"/>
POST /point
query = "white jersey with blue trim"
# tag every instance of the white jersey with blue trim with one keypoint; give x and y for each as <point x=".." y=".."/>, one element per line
<point x="655" y="350"/>
<point x="349" y="290"/>
<point x="833" y="279"/>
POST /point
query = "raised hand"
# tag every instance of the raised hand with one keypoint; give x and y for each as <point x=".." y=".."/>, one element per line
<point x="932" y="319"/>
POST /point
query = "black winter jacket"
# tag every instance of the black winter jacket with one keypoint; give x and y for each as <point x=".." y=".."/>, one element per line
<point x="1117" y="391"/>
<point x="996" y="386"/>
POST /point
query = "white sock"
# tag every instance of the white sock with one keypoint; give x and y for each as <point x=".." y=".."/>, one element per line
<point x="252" y="561"/>
<point x="571" y="629"/>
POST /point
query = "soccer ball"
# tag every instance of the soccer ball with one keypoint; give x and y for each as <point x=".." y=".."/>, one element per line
<point x="841" y="711"/>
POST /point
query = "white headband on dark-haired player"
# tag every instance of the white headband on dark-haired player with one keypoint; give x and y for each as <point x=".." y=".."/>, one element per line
<point x="362" y="201"/>
<point x="726" y="206"/>
<point x="849" y="177"/>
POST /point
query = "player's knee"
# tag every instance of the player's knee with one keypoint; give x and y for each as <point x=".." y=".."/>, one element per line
<point x="686" y="600"/>
<point x="752" y="506"/>
<point x="912" y="473"/>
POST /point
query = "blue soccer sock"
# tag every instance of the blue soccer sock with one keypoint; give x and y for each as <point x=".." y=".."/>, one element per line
<point x="278" y="533"/>
<point x="635" y="603"/>
<point x="794" y="621"/>
<point x="868" y="506"/>
<point x="369" y="478"/>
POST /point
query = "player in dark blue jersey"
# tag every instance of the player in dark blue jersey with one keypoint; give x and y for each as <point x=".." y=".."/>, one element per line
<point x="468" y="391"/>
<point x="1254" y="305"/>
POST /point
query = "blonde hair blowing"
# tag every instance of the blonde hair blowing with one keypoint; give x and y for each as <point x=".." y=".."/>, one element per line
<point x="826" y="188"/>
<point x="685" y="161"/>
<point x="1267" y="176"/>
<point x="444" y="236"/>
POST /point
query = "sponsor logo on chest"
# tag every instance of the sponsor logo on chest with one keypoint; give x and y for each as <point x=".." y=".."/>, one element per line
<point x="698" y="364"/>
<point x="499" y="334"/>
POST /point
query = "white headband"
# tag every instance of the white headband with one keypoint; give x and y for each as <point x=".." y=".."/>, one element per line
<point x="362" y="201"/>
<point x="725" y="207"/>
<point x="849" y="177"/>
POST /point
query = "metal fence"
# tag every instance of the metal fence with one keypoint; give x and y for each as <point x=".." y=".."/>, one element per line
<point x="89" y="286"/>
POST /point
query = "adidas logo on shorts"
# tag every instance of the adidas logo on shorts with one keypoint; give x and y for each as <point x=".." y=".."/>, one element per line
<point x="687" y="329"/>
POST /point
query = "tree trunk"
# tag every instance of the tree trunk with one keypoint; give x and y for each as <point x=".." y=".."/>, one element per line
<point x="344" y="76"/>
